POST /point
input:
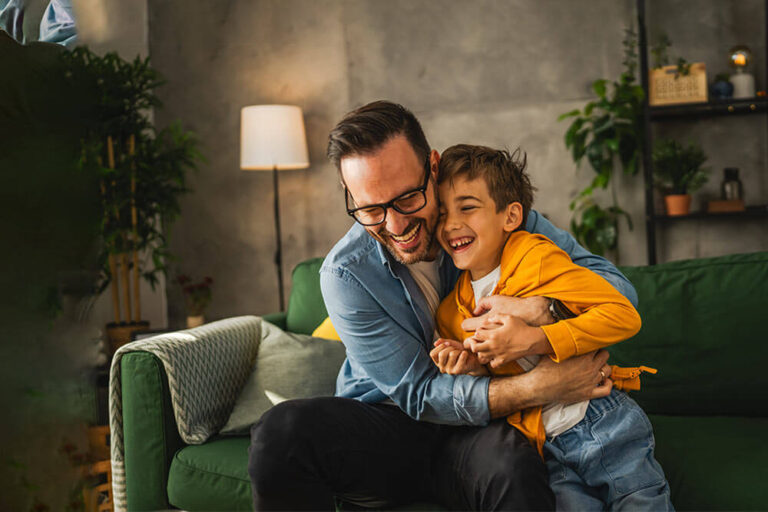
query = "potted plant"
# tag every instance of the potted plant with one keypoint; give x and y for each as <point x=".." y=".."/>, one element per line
<point x="142" y="176"/>
<point x="197" y="296"/>
<point x="678" y="171"/>
<point x="606" y="132"/>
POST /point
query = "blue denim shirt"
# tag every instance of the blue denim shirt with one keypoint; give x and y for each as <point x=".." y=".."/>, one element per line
<point x="387" y="328"/>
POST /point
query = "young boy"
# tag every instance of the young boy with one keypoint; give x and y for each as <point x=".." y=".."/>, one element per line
<point x="600" y="452"/>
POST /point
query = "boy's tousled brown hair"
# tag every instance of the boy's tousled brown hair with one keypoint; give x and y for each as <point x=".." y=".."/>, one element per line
<point x="502" y="171"/>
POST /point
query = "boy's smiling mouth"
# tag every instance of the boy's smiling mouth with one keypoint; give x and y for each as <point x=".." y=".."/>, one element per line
<point x="460" y="244"/>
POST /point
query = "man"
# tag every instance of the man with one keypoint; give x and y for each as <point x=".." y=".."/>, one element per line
<point x="399" y="430"/>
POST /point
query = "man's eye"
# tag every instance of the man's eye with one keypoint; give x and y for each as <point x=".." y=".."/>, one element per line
<point x="467" y="208"/>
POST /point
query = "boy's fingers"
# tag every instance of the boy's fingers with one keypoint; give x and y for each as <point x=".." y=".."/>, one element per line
<point x="453" y="356"/>
<point x="604" y="389"/>
<point x="442" y="357"/>
<point x="483" y="305"/>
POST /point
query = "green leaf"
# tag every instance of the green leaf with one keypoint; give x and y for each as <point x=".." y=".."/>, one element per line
<point x="572" y="113"/>
<point x="599" y="87"/>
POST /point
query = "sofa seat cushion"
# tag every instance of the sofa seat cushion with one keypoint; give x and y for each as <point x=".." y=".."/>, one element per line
<point x="713" y="462"/>
<point x="211" y="476"/>
<point x="214" y="476"/>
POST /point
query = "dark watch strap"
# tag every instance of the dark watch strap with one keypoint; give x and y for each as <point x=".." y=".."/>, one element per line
<point x="558" y="310"/>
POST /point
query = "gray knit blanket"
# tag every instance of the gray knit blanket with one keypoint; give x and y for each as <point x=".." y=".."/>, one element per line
<point x="206" y="367"/>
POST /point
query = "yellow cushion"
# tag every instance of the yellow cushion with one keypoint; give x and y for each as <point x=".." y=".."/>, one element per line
<point x="326" y="330"/>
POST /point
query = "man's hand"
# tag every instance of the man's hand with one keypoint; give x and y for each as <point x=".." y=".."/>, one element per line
<point x="502" y="338"/>
<point x="532" y="310"/>
<point x="578" y="378"/>
<point x="451" y="358"/>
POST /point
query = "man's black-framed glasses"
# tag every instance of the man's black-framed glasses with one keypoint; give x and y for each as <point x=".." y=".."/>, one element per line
<point x="409" y="202"/>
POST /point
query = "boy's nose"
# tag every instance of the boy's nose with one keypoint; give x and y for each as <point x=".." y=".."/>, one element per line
<point x="449" y="222"/>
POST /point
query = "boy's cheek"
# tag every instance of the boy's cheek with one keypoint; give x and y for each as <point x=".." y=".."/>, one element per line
<point x="441" y="238"/>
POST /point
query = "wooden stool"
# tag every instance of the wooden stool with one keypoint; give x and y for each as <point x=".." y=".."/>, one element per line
<point x="97" y="493"/>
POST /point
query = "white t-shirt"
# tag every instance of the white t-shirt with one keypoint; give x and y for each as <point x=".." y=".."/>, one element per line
<point x="426" y="275"/>
<point x="557" y="417"/>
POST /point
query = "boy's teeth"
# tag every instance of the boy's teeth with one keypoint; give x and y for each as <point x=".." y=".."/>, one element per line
<point x="461" y="242"/>
<point x="407" y="236"/>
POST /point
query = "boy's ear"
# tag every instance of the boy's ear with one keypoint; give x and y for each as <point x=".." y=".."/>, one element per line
<point x="513" y="217"/>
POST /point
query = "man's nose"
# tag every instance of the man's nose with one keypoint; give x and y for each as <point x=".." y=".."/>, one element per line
<point x="397" y="223"/>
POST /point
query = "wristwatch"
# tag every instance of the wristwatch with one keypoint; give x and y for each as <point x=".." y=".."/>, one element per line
<point x="559" y="311"/>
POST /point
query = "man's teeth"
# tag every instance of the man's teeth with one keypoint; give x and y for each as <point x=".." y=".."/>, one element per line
<point x="461" y="242"/>
<point x="407" y="236"/>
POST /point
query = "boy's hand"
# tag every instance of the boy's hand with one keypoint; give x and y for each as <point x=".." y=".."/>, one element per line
<point x="451" y="358"/>
<point x="501" y="339"/>
<point x="532" y="310"/>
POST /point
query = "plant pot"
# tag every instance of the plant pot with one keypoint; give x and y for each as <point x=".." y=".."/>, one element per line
<point x="120" y="334"/>
<point x="195" y="321"/>
<point x="678" y="204"/>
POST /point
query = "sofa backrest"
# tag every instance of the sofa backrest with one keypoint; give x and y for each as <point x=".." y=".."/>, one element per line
<point x="306" y="309"/>
<point x="703" y="330"/>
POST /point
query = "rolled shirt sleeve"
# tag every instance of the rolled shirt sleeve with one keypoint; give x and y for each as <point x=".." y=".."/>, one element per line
<point x="395" y="359"/>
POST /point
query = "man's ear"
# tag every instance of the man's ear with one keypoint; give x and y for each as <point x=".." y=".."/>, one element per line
<point x="513" y="216"/>
<point x="434" y="162"/>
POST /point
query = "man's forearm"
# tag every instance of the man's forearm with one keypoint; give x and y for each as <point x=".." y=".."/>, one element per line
<point x="576" y="379"/>
<point x="510" y="394"/>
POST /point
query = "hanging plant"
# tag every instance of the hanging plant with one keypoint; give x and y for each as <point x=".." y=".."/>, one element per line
<point x="608" y="130"/>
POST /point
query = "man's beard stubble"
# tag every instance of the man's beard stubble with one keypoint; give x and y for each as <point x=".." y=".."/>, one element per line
<point x="424" y="250"/>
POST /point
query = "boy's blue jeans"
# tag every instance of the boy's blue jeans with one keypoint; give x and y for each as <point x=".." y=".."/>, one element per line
<point x="605" y="462"/>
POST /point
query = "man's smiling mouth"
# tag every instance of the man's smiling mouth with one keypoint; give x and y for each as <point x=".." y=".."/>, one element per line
<point x="409" y="236"/>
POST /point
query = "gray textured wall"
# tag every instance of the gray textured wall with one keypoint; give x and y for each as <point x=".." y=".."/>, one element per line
<point x="490" y="72"/>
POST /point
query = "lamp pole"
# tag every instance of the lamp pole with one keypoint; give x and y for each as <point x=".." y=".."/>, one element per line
<point x="278" y="251"/>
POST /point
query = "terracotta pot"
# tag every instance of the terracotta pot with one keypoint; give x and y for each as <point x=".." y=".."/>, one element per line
<point x="195" y="321"/>
<point x="678" y="204"/>
<point x="120" y="334"/>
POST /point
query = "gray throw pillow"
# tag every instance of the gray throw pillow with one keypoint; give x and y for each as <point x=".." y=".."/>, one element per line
<point x="287" y="366"/>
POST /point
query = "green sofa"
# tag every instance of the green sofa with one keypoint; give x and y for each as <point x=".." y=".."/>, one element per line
<point x="702" y="328"/>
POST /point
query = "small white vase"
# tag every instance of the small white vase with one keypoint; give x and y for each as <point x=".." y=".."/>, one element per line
<point x="743" y="85"/>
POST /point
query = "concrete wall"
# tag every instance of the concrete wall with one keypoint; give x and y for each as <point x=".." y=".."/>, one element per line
<point x="490" y="72"/>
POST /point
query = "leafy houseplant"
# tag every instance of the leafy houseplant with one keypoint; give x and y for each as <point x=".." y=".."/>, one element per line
<point x="661" y="56"/>
<point x="607" y="130"/>
<point x="197" y="296"/>
<point x="678" y="171"/>
<point x="142" y="173"/>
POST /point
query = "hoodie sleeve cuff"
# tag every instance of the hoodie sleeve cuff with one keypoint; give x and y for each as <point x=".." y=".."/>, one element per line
<point x="562" y="341"/>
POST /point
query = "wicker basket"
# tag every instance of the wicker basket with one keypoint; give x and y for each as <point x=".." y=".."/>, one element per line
<point x="666" y="87"/>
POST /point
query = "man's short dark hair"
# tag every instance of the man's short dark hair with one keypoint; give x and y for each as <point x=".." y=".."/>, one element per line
<point x="364" y="130"/>
<point x="502" y="171"/>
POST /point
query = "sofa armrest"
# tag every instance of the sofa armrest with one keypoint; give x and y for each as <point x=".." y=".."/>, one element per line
<point x="174" y="389"/>
<point x="278" y="319"/>
<point x="150" y="434"/>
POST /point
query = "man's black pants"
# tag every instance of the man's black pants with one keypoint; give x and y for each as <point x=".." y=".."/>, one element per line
<point x="304" y="453"/>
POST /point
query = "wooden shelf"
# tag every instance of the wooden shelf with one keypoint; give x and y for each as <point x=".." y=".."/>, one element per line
<point x="752" y="212"/>
<point x="713" y="108"/>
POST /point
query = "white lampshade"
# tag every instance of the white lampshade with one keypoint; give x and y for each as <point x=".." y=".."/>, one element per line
<point x="272" y="136"/>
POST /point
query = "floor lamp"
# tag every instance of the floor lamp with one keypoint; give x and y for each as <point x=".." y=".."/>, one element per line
<point x="272" y="138"/>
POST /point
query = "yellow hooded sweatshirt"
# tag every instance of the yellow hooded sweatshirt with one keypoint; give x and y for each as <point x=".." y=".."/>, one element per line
<point x="532" y="265"/>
